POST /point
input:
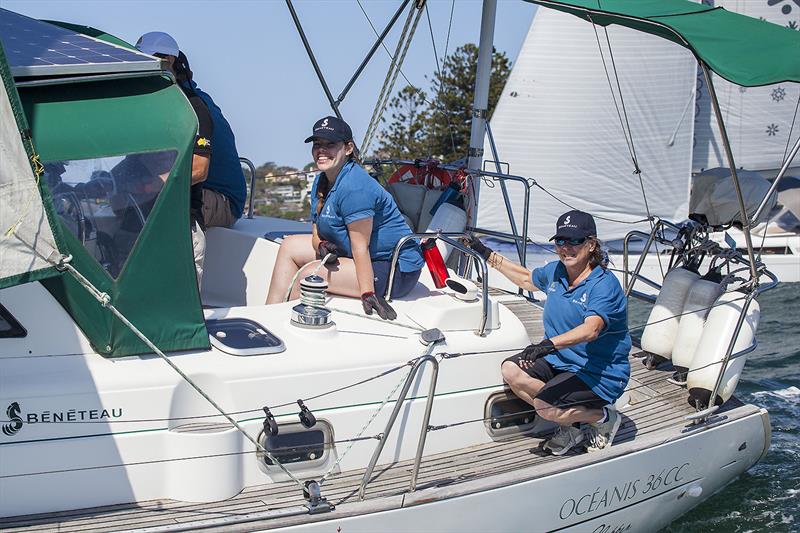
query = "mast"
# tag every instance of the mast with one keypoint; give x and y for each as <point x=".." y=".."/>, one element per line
<point x="481" y="99"/>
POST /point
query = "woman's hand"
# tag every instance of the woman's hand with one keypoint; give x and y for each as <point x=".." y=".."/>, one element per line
<point x="535" y="351"/>
<point x="325" y="248"/>
<point x="475" y="243"/>
<point x="372" y="302"/>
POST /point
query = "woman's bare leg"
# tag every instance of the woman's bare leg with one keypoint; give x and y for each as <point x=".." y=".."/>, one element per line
<point x="295" y="251"/>
<point x="341" y="278"/>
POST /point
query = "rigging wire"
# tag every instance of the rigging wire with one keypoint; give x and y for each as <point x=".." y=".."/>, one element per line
<point x="627" y="131"/>
<point x="391" y="57"/>
<point x="441" y="78"/>
<point x="403" y="45"/>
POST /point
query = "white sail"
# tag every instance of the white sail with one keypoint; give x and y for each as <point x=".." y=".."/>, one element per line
<point x="26" y="240"/>
<point x="557" y="122"/>
<point x="758" y="119"/>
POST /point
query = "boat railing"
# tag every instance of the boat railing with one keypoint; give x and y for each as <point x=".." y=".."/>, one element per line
<point x="520" y="239"/>
<point x="252" y="168"/>
<point x="752" y="288"/>
<point x="427" y="358"/>
<point x="629" y="278"/>
<point x="450" y="239"/>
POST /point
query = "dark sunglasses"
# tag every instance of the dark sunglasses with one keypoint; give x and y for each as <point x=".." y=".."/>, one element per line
<point x="571" y="242"/>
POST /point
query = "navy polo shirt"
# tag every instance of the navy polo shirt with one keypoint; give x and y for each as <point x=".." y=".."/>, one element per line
<point x="355" y="196"/>
<point x="602" y="363"/>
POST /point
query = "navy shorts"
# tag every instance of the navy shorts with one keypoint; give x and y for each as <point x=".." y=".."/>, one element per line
<point x="562" y="388"/>
<point x="403" y="281"/>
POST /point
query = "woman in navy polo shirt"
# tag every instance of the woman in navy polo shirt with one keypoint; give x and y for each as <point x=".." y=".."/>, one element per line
<point x="574" y="375"/>
<point x="355" y="220"/>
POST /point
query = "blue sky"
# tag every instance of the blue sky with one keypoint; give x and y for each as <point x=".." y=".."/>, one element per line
<point x="249" y="57"/>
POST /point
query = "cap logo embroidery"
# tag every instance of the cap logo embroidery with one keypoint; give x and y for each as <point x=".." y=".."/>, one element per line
<point x="325" y="123"/>
<point x="566" y="221"/>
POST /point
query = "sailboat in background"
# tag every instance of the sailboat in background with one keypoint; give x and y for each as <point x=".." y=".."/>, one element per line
<point x="600" y="116"/>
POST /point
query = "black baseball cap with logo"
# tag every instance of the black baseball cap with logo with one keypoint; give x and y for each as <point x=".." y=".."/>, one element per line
<point x="575" y="225"/>
<point x="331" y="129"/>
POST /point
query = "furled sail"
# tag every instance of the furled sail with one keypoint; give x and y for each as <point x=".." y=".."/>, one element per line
<point x="758" y="119"/>
<point x="558" y="123"/>
<point x="27" y="243"/>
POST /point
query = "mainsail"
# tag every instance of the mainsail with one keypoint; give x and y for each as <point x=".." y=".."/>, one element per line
<point x="28" y="247"/>
<point x="558" y="123"/>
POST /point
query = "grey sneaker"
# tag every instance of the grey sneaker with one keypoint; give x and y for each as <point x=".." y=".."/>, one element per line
<point x="601" y="436"/>
<point x="566" y="438"/>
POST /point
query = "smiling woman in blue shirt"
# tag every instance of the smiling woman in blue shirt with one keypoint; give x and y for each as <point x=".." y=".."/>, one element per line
<point x="576" y="373"/>
<point x="356" y="221"/>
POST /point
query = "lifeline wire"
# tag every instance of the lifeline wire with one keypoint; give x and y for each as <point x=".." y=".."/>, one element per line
<point x="443" y="356"/>
<point x="359" y="437"/>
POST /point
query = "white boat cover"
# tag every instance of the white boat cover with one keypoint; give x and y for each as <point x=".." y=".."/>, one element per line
<point x="714" y="196"/>
<point x="26" y="239"/>
<point x="758" y="119"/>
<point x="557" y="122"/>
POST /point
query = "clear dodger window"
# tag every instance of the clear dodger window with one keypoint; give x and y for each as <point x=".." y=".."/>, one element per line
<point x="104" y="202"/>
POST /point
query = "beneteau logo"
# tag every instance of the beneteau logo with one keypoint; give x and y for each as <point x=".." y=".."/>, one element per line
<point x="566" y="221"/>
<point x="14" y="420"/>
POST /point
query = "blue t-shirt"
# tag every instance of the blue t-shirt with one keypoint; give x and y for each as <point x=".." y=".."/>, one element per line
<point x="225" y="171"/>
<point x="602" y="363"/>
<point x="356" y="195"/>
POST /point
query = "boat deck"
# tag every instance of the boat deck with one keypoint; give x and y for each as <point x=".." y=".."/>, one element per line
<point x="656" y="413"/>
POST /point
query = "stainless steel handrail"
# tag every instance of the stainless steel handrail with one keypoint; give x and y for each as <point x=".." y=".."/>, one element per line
<point x="521" y="247"/>
<point x="252" y="167"/>
<point x="427" y="358"/>
<point x="449" y="239"/>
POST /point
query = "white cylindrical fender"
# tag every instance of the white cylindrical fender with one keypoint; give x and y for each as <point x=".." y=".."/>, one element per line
<point x="702" y="295"/>
<point x="717" y="334"/>
<point x="658" y="337"/>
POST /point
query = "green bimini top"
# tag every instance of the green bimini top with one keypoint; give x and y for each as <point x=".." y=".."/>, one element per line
<point x="743" y="50"/>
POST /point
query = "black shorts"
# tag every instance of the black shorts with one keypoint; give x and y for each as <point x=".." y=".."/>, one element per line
<point x="562" y="388"/>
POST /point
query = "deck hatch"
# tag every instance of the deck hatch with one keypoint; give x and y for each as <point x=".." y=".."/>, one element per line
<point x="242" y="337"/>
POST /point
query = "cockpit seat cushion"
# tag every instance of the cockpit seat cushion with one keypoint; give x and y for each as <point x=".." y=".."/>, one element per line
<point x="409" y="199"/>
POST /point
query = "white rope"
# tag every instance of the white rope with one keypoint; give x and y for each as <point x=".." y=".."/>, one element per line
<point x="105" y="301"/>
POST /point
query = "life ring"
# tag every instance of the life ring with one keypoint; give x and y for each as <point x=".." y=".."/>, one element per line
<point x="428" y="174"/>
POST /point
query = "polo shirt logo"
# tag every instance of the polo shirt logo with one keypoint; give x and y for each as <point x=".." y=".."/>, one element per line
<point x="327" y="213"/>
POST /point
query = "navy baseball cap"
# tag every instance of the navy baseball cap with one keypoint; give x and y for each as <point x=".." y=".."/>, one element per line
<point x="331" y="129"/>
<point x="575" y="225"/>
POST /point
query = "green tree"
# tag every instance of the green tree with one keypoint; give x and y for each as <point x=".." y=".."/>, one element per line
<point x="451" y="114"/>
<point x="441" y="127"/>
<point x="406" y="136"/>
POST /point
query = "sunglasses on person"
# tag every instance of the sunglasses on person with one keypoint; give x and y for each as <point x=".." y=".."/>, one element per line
<point x="572" y="242"/>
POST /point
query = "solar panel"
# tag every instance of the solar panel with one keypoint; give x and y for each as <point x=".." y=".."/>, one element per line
<point x="36" y="48"/>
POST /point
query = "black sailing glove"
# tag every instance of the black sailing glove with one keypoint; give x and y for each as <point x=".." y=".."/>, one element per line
<point x="475" y="243"/>
<point x="373" y="302"/>
<point x="535" y="351"/>
<point x="325" y="248"/>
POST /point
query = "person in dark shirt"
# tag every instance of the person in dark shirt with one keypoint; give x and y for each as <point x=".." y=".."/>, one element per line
<point x="163" y="46"/>
<point x="224" y="190"/>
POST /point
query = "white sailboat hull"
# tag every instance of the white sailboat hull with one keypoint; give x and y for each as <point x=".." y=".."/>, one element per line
<point x="642" y="491"/>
